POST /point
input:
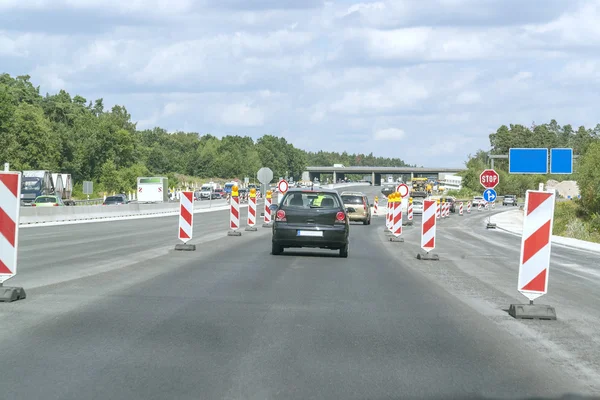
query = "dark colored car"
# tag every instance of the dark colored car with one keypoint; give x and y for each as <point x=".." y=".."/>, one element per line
<point x="311" y="218"/>
<point x="452" y="203"/>
<point x="115" y="200"/>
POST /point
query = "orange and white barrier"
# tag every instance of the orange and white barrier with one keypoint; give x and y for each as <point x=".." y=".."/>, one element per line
<point x="468" y="207"/>
<point x="234" y="215"/>
<point x="479" y="207"/>
<point x="409" y="210"/>
<point x="376" y="205"/>
<point x="438" y="211"/>
<point x="460" y="208"/>
<point x="267" y="212"/>
<point x="251" y="210"/>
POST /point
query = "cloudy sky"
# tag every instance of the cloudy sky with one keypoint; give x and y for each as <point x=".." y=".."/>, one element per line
<point x="426" y="81"/>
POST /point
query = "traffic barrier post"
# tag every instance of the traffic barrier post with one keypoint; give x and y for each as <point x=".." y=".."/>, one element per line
<point x="397" y="219"/>
<point x="186" y="221"/>
<point x="409" y="211"/>
<point x="438" y="211"/>
<point x="10" y="207"/>
<point x="234" y="214"/>
<point x="479" y="207"/>
<point x="388" y="214"/>
<point x="428" y="230"/>
<point x="534" y="263"/>
<point x="252" y="211"/>
<point x="267" y="212"/>
<point x="468" y="207"/>
<point x="376" y="206"/>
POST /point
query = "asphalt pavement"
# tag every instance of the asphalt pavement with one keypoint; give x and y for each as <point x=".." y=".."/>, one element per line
<point x="113" y="312"/>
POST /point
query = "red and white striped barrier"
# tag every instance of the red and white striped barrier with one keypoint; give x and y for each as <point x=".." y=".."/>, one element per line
<point x="267" y="212"/>
<point x="251" y="210"/>
<point x="487" y="207"/>
<point x="438" y="210"/>
<point x="534" y="265"/>
<point x="428" y="224"/>
<point x="460" y="208"/>
<point x="390" y="212"/>
<point x="10" y="206"/>
<point x="493" y="205"/>
<point x="468" y="207"/>
<point x="234" y="214"/>
<point x="376" y="205"/>
<point x="409" y="210"/>
<point x="186" y="216"/>
<point x="397" y="217"/>
<point x="479" y="207"/>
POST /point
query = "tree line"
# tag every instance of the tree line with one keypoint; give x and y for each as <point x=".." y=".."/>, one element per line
<point x="585" y="143"/>
<point x="69" y="134"/>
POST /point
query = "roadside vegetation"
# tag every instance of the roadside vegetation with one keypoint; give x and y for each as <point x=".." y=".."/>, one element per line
<point x="70" y="134"/>
<point x="577" y="218"/>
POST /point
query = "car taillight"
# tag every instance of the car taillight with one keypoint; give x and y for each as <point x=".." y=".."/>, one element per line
<point x="340" y="217"/>
<point x="55" y="204"/>
<point x="366" y="207"/>
<point x="33" y="205"/>
<point x="280" y="216"/>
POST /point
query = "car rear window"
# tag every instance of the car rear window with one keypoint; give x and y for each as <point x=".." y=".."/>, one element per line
<point x="45" y="200"/>
<point x="352" y="199"/>
<point x="310" y="200"/>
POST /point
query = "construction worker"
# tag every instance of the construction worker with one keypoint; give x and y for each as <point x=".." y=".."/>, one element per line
<point x="317" y="202"/>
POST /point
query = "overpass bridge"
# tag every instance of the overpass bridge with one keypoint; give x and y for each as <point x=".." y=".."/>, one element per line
<point x="376" y="172"/>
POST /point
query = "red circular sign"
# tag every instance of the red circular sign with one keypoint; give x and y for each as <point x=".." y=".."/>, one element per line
<point x="489" y="179"/>
<point x="402" y="189"/>
<point x="283" y="186"/>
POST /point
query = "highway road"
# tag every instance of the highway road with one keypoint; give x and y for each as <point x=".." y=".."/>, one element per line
<point x="113" y="312"/>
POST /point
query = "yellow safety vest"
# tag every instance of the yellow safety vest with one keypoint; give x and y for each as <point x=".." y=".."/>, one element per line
<point x="317" y="201"/>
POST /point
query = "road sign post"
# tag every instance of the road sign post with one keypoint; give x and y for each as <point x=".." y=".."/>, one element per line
<point x="186" y="221"/>
<point x="430" y="208"/>
<point x="10" y="207"/>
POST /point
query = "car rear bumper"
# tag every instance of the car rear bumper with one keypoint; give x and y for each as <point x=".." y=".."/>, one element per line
<point x="287" y="236"/>
<point x="358" y="217"/>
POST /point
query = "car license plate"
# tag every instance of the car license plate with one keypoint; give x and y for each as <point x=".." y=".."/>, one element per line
<point x="310" y="233"/>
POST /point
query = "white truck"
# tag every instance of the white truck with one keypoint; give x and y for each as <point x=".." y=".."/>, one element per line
<point x="207" y="189"/>
<point x="63" y="187"/>
<point x="153" y="190"/>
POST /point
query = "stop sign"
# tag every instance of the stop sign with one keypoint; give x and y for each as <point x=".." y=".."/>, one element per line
<point x="489" y="179"/>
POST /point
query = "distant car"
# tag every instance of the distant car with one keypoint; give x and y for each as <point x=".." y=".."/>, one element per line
<point x="452" y="202"/>
<point x="48" y="201"/>
<point x="360" y="203"/>
<point x="216" y="195"/>
<point x="418" y="206"/>
<point x="307" y="218"/>
<point x="477" y="200"/>
<point x="115" y="200"/>
<point x="509" y="200"/>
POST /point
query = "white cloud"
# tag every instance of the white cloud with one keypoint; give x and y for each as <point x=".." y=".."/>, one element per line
<point x="389" y="134"/>
<point x="242" y="115"/>
<point x="443" y="70"/>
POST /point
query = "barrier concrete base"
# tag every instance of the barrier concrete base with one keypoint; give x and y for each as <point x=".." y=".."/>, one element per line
<point x="491" y="225"/>
<point x="234" y="233"/>
<point x="185" y="247"/>
<point x="532" y="311"/>
<point x="8" y="294"/>
<point x="269" y="225"/>
<point x="397" y="239"/>
<point x="428" y="257"/>
<point x="251" y="229"/>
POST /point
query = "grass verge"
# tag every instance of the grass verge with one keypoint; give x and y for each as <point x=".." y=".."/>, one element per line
<point x="570" y="221"/>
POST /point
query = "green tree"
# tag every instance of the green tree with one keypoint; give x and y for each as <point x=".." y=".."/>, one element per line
<point x="588" y="178"/>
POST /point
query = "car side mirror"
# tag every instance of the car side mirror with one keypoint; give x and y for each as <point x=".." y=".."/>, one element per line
<point x="351" y="210"/>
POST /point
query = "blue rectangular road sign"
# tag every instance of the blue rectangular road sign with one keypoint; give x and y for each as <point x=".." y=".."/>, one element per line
<point x="527" y="161"/>
<point x="561" y="161"/>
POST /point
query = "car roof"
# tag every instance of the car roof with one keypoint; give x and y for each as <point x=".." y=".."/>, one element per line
<point x="306" y="190"/>
<point x="352" y="194"/>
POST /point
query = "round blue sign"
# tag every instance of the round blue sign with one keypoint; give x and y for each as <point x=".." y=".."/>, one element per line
<point x="489" y="195"/>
